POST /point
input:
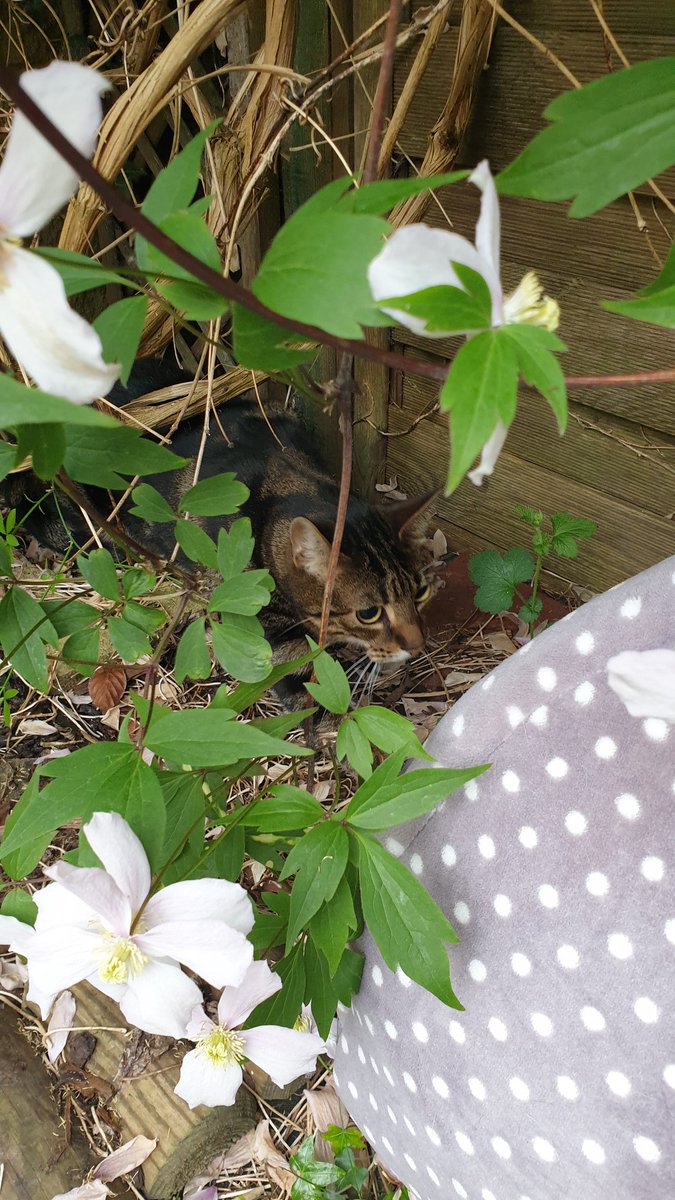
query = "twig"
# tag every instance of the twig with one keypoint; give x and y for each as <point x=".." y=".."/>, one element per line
<point x="344" y="392"/>
<point x="666" y="375"/>
<point x="382" y="93"/>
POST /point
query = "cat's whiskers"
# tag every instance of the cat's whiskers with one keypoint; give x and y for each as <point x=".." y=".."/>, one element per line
<point x="356" y="665"/>
<point x="371" y="682"/>
<point x="355" y="688"/>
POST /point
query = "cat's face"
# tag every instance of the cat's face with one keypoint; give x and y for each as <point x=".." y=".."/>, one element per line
<point x="384" y="580"/>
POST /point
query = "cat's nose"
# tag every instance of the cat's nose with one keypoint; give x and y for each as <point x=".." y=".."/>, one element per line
<point x="410" y="638"/>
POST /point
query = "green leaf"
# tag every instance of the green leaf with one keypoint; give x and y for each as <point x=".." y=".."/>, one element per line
<point x="311" y="1170"/>
<point x="79" y="273"/>
<point x="47" y="446"/>
<point x="215" y="497"/>
<point x="145" y="812"/>
<point x="354" y="745"/>
<point x="98" y="568"/>
<point x="184" y="804"/>
<point x="207" y="737"/>
<point x="235" y="547"/>
<point x="143" y="617"/>
<point x="382" y="776"/>
<point x="408" y="797"/>
<point x="241" y="649"/>
<point x="332" y="690"/>
<point x="150" y="505"/>
<point x="567" y="531"/>
<point x="333" y="924"/>
<point x="129" y="641"/>
<point x="20" y="405"/>
<point x="531" y="516"/>
<point x="176" y="184"/>
<point x="223" y="856"/>
<point x="23" y="631"/>
<point x="656" y="309"/>
<point x="324" y="990"/>
<point x="8" y="458"/>
<point x="81" y="650"/>
<point x="316" y="271"/>
<point x="444" y="309"/>
<point x="379" y="197"/>
<point x="538" y="366"/>
<point x="18" y="903"/>
<point x="246" y="694"/>
<point x="283" y="723"/>
<point x="319" y="861"/>
<point x="196" y="544"/>
<point x="193" y="660"/>
<point x="103" y="457"/>
<point x="137" y="582"/>
<point x="196" y="299"/>
<point x="265" y="346"/>
<point x="270" y="927"/>
<point x="498" y="575"/>
<point x="607" y="138"/>
<point x="479" y="392"/>
<point x="530" y="611"/>
<point x="111" y="765"/>
<point x="283" y="1008"/>
<point x="245" y="594"/>
<point x="69" y="616"/>
<point x="119" y="327"/>
<point x="286" y="808"/>
<point x="18" y="863"/>
<point x="410" y="929"/>
<point x="342" y="1139"/>
<point x="389" y="731"/>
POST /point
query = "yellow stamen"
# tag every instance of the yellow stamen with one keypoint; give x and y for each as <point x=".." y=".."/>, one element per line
<point x="222" y="1047"/>
<point x="529" y="306"/>
<point x="302" y="1024"/>
<point x="122" y="961"/>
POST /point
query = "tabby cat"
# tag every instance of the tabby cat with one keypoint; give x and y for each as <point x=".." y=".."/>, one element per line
<point x="385" y="572"/>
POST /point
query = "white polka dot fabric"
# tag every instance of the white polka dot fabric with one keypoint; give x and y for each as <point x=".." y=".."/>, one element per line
<point x="557" y="868"/>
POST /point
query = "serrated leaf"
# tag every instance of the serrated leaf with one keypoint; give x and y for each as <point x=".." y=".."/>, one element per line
<point x="498" y="575"/>
<point x="20" y="405"/>
<point x="119" y="327"/>
<point x="333" y="924"/>
<point x="243" y="594"/>
<point x="409" y="928"/>
<point x="567" y="531"/>
<point x="608" y="137"/>
<point x="286" y="808"/>
<point x="209" y="737"/>
<point x="332" y="690"/>
<point x="235" y="547"/>
<point x="354" y="745"/>
<point x="263" y="345"/>
<point x="530" y="611"/>
<point x="408" y="797"/>
<point x="150" y="505"/>
<point x="240" y="647"/>
<point x="130" y="642"/>
<point x="196" y="544"/>
<point x="98" y="568"/>
<point x="479" y="392"/>
<point x="539" y="367"/>
<point x="23" y="631"/>
<point x="389" y="731"/>
<point x="217" y="496"/>
<point x="193" y="660"/>
<point x="319" y="861"/>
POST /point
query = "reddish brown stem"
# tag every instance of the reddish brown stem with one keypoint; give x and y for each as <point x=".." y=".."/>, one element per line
<point x="343" y="387"/>
<point x="666" y="375"/>
<point x="382" y="93"/>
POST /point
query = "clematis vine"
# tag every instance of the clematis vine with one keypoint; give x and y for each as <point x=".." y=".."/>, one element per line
<point x="212" y="1073"/>
<point x="417" y="257"/>
<point x="103" y="926"/>
<point x="54" y="345"/>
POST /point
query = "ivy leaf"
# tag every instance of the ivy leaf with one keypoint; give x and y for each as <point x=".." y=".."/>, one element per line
<point x="567" y="531"/>
<point x="241" y="649"/>
<point x="332" y="690"/>
<point x="23" y="631"/>
<point x="244" y="594"/>
<point x="408" y="797"/>
<point x="265" y="346"/>
<point x="119" y="327"/>
<point x="479" y="391"/>
<point x="150" y="505"/>
<point x="606" y="139"/>
<point x="407" y="925"/>
<point x="196" y="544"/>
<point x="497" y="576"/>
<point x="193" y="660"/>
<point x="353" y="745"/>
<point x="215" y="497"/>
<point x="98" y="568"/>
<point x="539" y="367"/>
<point x="235" y="547"/>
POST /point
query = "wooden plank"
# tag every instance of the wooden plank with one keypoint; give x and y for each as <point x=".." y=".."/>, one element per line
<point x="628" y="540"/>
<point x="620" y="454"/>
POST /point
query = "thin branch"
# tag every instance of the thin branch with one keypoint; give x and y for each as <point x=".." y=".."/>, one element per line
<point x="380" y="103"/>
<point x="666" y="375"/>
<point x="344" y="392"/>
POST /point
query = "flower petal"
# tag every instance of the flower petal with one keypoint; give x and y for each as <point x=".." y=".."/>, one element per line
<point x="57" y="906"/>
<point x="98" y="890"/>
<point x="54" y="345"/>
<point x="283" y="1053"/>
<point x="206" y="899"/>
<point x="16" y="934"/>
<point x="62" y="1017"/>
<point x="121" y="852"/>
<point x="203" y="1082"/>
<point x="212" y="949"/>
<point x="95" y="1190"/>
<point x="237" y="1003"/>
<point x="35" y="181"/>
<point x="199" y="1024"/>
<point x="160" y="999"/>
<point x="488" y="234"/>
<point x="125" y="1159"/>
<point x="645" y="681"/>
<point x="416" y="257"/>
<point x="489" y="454"/>
<point x="59" y="958"/>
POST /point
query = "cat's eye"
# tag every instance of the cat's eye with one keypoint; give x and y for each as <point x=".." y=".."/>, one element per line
<point x="423" y="593"/>
<point x="368" y="616"/>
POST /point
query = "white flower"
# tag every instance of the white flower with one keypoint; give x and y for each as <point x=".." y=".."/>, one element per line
<point x="417" y="257"/>
<point x="212" y="1073"/>
<point x="100" y="925"/>
<point x="645" y="681"/>
<point x="56" y="347"/>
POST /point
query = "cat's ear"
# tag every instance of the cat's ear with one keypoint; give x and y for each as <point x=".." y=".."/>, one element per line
<point x="309" y="548"/>
<point x="409" y="518"/>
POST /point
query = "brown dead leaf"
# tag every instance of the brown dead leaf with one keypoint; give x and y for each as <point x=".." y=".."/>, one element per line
<point x="501" y="642"/>
<point x="141" y="1051"/>
<point x="80" y="1049"/>
<point x="107" y="686"/>
<point x="326" y="1108"/>
<point x="257" y="1147"/>
<point x="77" y="1079"/>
